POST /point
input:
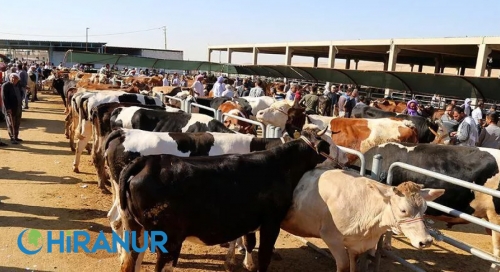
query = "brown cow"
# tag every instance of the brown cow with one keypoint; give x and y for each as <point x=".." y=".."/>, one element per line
<point x="389" y="105"/>
<point x="234" y="108"/>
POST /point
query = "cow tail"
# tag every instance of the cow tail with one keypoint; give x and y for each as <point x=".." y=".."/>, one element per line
<point x="113" y="135"/>
<point x="126" y="175"/>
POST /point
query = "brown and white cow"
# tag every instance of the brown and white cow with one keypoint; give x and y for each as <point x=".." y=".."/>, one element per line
<point x="363" y="134"/>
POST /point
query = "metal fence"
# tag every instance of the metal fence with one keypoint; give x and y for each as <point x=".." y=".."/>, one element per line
<point x="470" y="249"/>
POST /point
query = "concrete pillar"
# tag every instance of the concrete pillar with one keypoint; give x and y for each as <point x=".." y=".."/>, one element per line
<point x="356" y="61"/>
<point x="51" y="54"/>
<point x="441" y="69"/>
<point x="348" y="63"/>
<point x="420" y="68"/>
<point x="411" y="67"/>
<point x="331" y="56"/>
<point x="458" y="71"/>
<point x="462" y="71"/>
<point x="489" y="71"/>
<point x="229" y="54"/>
<point x="437" y="66"/>
<point x="482" y="58"/>
<point x="289" y="55"/>
<point x="315" y="64"/>
<point x="386" y="62"/>
<point x="209" y="56"/>
<point x="393" y="56"/>
<point x="255" y="55"/>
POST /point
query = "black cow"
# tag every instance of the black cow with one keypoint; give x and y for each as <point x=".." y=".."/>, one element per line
<point x="163" y="121"/>
<point x="423" y="125"/>
<point x="472" y="164"/>
<point x="213" y="200"/>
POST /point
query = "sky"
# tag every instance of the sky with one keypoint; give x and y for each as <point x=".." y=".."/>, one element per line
<point x="194" y="25"/>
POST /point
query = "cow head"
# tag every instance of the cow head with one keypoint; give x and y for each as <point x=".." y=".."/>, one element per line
<point x="405" y="210"/>
<point x="276" y="115"/>
<point x="442" y="134"/>
<point x="313" y="133"/>
<point x="238" y="125"/>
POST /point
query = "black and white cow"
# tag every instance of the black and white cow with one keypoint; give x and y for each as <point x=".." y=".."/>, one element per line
<point x="426" y="128"/>
<point x="472" y="164"/>
<point x="163" y="121"/>
<point x="100" y="118"/>
<point x="87" y="101"/>
<point x="213" y="200"/>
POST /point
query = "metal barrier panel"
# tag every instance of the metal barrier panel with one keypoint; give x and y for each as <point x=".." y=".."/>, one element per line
<point x="474" y="251"/>
<point x="247" y="121"/>
<point x="360" y="155"/>
<point x="217" y="113"/>
<point x="177" y="99"/>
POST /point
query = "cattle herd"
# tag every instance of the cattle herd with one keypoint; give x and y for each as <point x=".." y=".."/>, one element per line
<point x="212" y="182"/>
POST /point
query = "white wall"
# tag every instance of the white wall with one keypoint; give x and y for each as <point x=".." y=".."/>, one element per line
<point x="161" y="54"/>
<point x="58" y="57"/>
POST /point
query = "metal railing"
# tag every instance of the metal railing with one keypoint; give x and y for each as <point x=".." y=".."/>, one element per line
<point x="217" y="113"/>
<point x="177" y="99"/>
<point x="273" y="132"/>
<point x="261" y="125"/>
<point x="360" y="155"/>
<point x="467" y="248"/>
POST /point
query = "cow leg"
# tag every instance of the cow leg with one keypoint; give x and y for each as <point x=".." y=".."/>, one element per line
<point x="81" y="143"/>
<point x="129" y="260"/>
<point x="387" y="245"/>
<point x="353" y="257"/>
<point x="495" y="241"/>
<point x="230" y="263"/>
<point x="249" y="242"/>
<point x="268" y="234"/>
<point x="165" y="262"/>
<point x="98" y="159"/>
<point x="333" y="239"/>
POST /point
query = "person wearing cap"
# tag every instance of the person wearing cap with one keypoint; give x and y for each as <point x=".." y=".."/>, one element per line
<point x="198" y="86"/>
<point x="12" y="106"/>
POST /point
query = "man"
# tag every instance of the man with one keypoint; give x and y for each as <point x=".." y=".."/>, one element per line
<point x="350" y="103"/>
<point x="490" y="136"/>
<point x="310" y="101"/>
<point x="23" y="85"/>
<point x="477" y="115"/>
<point x="466" y="135"/>
<point x="342" y="101"/>
<point x="32" y="82"/>
<point x="58" y="84"/>
<point x="175" y="80"/>
<point x="12" y="106"/>
<point x="198" y="86"/>
<point x="290" y="94"/>
<point x="105" y="70"/>
<point x="257" y="91"/>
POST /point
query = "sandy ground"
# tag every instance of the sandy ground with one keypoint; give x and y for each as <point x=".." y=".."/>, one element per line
<point x="39" y="191"/>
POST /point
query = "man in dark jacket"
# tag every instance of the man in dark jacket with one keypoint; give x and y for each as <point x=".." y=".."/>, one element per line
<point x="58" y="84"/>
<point x="12" y="106"/>
<point x="23" y="84"/>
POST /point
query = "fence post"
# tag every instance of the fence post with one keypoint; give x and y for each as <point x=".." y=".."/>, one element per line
<point x="277" y="132"/>
<point x="187" y="106"/>
<point x="218" y="116"/>
<point x="376" y="167"/>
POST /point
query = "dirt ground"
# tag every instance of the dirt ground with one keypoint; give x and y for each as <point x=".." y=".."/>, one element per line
<point x="39" y="191"/>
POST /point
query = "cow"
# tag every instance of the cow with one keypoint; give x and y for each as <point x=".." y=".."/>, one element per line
<point x="326" y="206"/>
<point x="389" y="105"/>
<point x="124" y="145"/>
<point x="163" y="121"/>
<point x="425" y="127"/>
<point x="233" y="195"/>
<point x="100" y="119"/>
<point x="87" y="102"/>
<point x="473" y="164"/>
<point x="363" y="134"/>
<point x="234" y="108"/>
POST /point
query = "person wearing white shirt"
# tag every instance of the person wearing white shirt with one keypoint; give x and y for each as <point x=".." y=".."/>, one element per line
<point x="477" y="115"/>
<point x="198" y="86"/>
<point x="290" y="94"/>
<point x="175" y="80"/>
<point x="166" y="82"/>
<point x="219" y="87"/>
<point x="228" y="92"/>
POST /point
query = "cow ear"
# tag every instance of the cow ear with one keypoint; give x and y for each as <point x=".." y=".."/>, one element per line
<point x="431" y="194"/>
<point x="382" y="190"/>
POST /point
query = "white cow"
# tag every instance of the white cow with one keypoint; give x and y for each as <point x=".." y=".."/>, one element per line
<point x="349" y="211"/>
<point x="259" y="103"/>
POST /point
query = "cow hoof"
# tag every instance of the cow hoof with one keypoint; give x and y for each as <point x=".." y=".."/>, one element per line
<point x="242" y="250"/>
<point x="106" y="182"/>
<point x="105" y="191"/>
<point x="277" y="257"/>
<point x="224" y="245"/>
<point x="76" y="170"/>
<point x="67" y="136"/>
<point x="250" y="266"/>
<point x="73" y="149"/>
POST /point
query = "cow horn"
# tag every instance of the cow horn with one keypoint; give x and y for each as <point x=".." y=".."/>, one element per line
<point x="321" y="133"/>
<point x="433" y="132"/>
